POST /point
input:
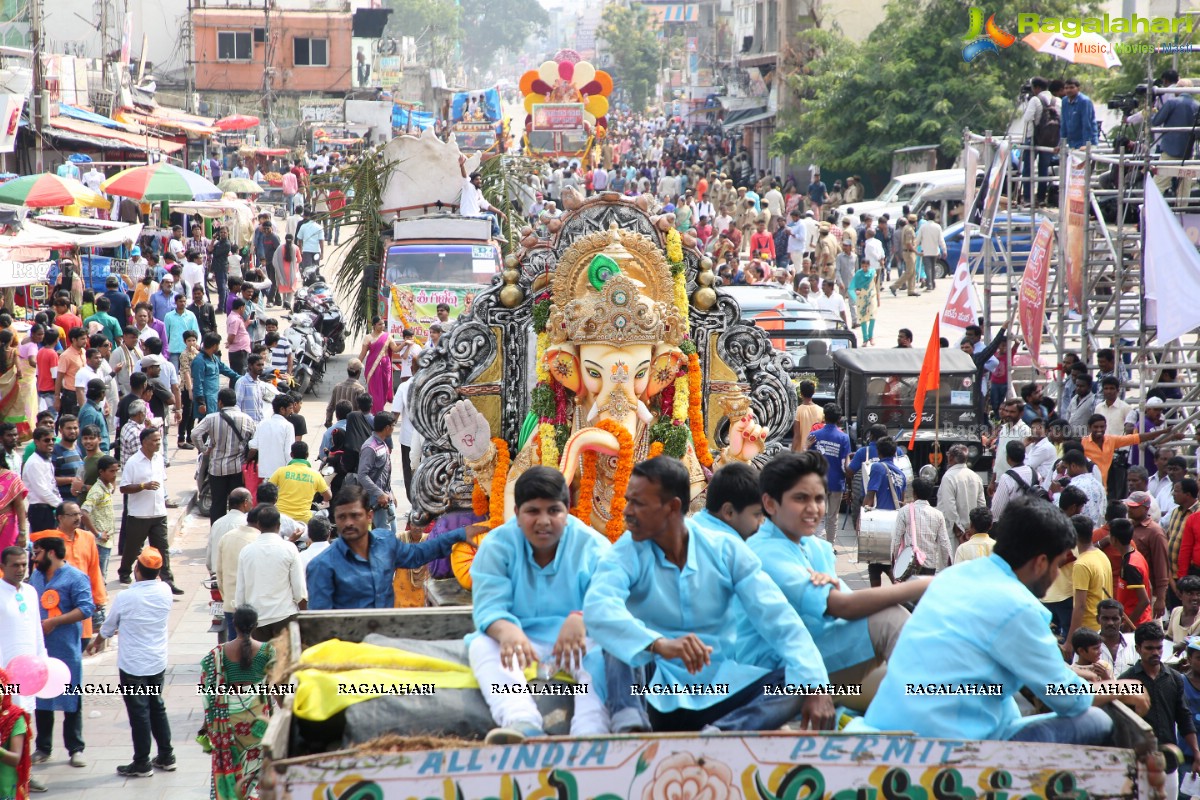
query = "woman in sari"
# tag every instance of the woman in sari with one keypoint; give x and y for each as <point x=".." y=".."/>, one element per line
<point x="27" y="365"/>
<point x="866" y="301"/>
<point x="377" y="355"/>
<point x="235" y="723"/>
<point x="15" y="753"/>
<point x="12" y="505"/>
<point x="286" y="262"/>
<point x="12" y="407"/>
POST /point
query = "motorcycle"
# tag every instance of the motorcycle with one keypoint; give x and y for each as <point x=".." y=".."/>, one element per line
<point x="308" y="347"/>
<point x="216" y="610"/>
<point x="317" y="297"/>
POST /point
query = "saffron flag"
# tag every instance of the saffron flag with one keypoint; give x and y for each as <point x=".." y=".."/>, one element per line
<point x="931" y="377"/>
<point x="1172" y="270"/>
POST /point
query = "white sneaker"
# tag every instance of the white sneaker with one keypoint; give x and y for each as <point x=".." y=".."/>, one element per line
<point x="77" y="760"/>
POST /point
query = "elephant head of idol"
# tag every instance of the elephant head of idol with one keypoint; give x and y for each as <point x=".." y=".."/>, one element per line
<point x="613" y="330"/>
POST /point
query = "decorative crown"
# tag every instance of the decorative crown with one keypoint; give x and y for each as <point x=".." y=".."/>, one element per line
<point x="616" y="313"/>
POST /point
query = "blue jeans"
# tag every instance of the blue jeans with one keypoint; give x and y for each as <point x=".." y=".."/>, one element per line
<point x="748" y="710"/>
<point x="384" y="518"/>
<point x="230" y="631"/>
<point x="1092" y="727"/>
<point x="222" y="276"/>
<point x="104" y="553"/>
<point x="996" y="395"/>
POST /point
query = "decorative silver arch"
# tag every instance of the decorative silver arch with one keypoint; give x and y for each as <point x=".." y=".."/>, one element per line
<point x="464" y="362"/>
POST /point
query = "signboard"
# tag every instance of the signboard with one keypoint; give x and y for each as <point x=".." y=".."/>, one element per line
<point x="1031" y="309"/>
<point x="763" y="767"/>
<point x="414" y="305"/>
<point x="558" y="116"/>
<point x="321" y="110"/>
<point x="389" y="70"/>
<point x="994" y="188"/>
<point x="1075" y="214"/>
<point x="960" y="310"/>
<point x="10" y="117"/>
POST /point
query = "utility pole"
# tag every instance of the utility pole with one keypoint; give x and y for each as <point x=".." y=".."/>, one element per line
<point x="190" y="69"/>
<point x="41" y="113"/>
<point x="268" y="70"/>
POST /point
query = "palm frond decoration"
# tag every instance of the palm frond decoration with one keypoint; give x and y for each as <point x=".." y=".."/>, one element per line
<point x="506" y="186"/>
<point x="360" y="273"/>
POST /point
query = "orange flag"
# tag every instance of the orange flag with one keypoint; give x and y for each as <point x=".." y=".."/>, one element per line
<point x="931" y="377"/>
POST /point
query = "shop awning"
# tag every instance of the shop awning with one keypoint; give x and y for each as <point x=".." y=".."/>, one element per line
<point x="84" y="115"/>
<point x="169" y="119"/>
<point x="34" y="235"/>
<point x="99" y="136"/>
<point x="747" y="116"/>
<point x="689" y="12"/>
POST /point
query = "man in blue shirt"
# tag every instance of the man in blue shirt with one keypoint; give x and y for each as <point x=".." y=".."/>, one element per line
<point x="731" y="502"/>
<point x="833" y="443"/>
<point x="661" y="598"/>
<point x="1178" y="112"/>
<point x="207" y="369"/>
<point x="854" y="631"/>
<point x="528" y="580"/>
<point x="817" y="194"/>
<point x="118" y="301"/>
<point x="92" y="411"/>
<point x="356" y="571"/>
<point x="66" y="457"/>
<point x="1079" y="125"/>
<point x="993" y="648"/>
<point x="310" y="238"/>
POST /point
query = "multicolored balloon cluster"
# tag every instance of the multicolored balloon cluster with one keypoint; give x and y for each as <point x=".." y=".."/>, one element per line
<point x="567" y="78"/>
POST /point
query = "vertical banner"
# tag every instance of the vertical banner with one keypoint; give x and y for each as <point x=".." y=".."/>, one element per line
<point x="1032" y="294"/>
<point x="126" y="41"/>
<point x="11" y="106"/>
<point x="994" y="187"/>
<point x="1076" y="216"/>
<point x="970" y="162"/>
<point x="961" y="309"/>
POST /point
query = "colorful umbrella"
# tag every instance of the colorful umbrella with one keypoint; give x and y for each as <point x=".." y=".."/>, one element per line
<point x="154" y="183"/>
<point x="240" y="186"/>
<point x="236" y="122"/>
<point x="1086" y="48"/>
<point x="49" y="191"/>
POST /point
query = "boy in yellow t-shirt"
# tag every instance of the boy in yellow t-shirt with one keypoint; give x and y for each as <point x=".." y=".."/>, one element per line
<point x="298" y="483"/>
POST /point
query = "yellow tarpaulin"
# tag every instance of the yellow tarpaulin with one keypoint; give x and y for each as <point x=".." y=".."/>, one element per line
<point x="322" y="693"/>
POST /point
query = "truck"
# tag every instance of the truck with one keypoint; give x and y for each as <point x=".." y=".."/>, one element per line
<point x="767" y="766"/>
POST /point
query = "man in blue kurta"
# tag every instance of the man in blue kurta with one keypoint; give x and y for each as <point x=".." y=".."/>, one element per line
<point x="731" y="502"/>
<point x="528" y="580"/>
<point x="661" y="599"/>
<point x="855" y="631"/>
<point x="1002" y="641"/>
<point x="65" y="598"/>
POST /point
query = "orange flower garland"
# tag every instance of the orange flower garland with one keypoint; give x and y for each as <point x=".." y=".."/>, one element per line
<point x="616" y="522"/>
<point x="656" y="450"/>
<point x="499" y="479"/>
<point x="462" y="555"/>
<point x="587" y="488"/>
<point x="695" y="417"/>
<point x="479" y="501"/>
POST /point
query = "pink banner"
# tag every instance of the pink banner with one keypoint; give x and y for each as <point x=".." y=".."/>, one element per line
<point x="961" y="310"/>
<point x="1076" y="216"/>
<point x="1032" y="294"/>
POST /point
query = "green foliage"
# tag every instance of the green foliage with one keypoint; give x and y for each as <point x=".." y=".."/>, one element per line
<point x="908" y="85"/>
<point x="674" y="438"/>
<point x="687" y="346"/>
<point x="492" y="25"/>
<point x="1133" y="66"/>
<point x="562" y="432"/>
<point x="631" y="35"/>
<point x="503" y="177"/>
<point x="541" y="313"/>
<point x="541" y="402"/>
<point x="434" y="23"/>
<point x="358" y="277"/>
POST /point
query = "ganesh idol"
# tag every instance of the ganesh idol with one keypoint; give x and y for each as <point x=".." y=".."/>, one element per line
<point x="618" y="383"/>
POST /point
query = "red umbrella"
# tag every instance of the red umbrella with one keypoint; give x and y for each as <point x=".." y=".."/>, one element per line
<point x="236" y="122"/>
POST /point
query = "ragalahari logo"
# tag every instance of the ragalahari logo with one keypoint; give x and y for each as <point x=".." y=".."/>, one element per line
<point x="983" y="38"/>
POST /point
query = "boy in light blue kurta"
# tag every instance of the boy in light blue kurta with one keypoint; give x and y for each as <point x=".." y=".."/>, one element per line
<point x="662" y="597"/>
<point x="528" y="581"/>
<point x="732" y="505"/>
<point x="855" y="631"/>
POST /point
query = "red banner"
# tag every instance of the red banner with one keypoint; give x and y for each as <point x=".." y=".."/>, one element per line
<point x="1076" y="216"/>
<point x="1031" y="308"/>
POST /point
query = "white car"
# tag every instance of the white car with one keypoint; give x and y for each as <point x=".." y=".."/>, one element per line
<point x="910" y="190"/>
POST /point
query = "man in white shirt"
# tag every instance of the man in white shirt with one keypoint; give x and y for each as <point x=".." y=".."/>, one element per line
<point x="873" y="251"/>
<point x="272" y="440"/>
<point x="240" y="503"/>
<point x="1110" y="406"/>
<point x="1012" y="429"/>
<point x="960" y="492"/>
<point x="830" y="300"/>
<point x="814" y="231"/>
<point x="270" y="577"/>
<point x="318" y="534"/>
<point x="38" y="477"/>
<point x="193" y="272"/>
<point x="1035" y="108"/>
<point x="797" y="243"/>
<point x="1015" y="480"/>
<point x="774" y="200"/>
<point x="471" y="202"/>
<point x="407" y="433"/>
<point x="139" y="614"/>
<point x="143" y="482"/>
<point x="409" y="351"/>
<point x="1040" y="454"/>
<point x="20" y="615"/>
<point x="931" y="245"/>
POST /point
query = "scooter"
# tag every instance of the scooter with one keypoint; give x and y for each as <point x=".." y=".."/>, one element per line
<point x="216" y="610"/>
<point x="317" y="297"/>
<point x="308" y="347"/>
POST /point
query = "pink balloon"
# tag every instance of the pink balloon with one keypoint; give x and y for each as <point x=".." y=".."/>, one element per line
<point x="29" y="672"/>
<point x="593" y="87"/>
<point x="565" y="70"/>
<point x="541" y="87"/>
<point x="59" y="676"/>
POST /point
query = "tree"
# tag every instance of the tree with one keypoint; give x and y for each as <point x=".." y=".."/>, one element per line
<point x="631" y="36"/>
<point x="433" y="23"/>
<point x="492" y="25"/>
<point x="908" y="85"/>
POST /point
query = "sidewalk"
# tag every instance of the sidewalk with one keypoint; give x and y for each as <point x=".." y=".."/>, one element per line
<point x="105" y="725"/>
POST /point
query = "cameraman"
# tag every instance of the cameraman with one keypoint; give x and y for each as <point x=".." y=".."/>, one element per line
<point x="1178" y="112"/>
<point x="1039" y="101"/>
<point x="1168" y="79"/>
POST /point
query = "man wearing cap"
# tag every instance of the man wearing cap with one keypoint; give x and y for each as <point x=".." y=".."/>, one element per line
<point x="143" y="482"/>
<point x="140" y="615"/>
<point x="1136" y="422"/>
<point x="118" y="301"/>
<point x="347" y="390"/>
<point x="907" y="228"/>
<point x="1151" y="542"/>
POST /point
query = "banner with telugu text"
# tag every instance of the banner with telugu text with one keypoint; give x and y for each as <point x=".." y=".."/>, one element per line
<point x="415" y="306"/>
<point x="1031" y="308"/>
<point x="960" y="309"/>
<point x="1076" y="218"/>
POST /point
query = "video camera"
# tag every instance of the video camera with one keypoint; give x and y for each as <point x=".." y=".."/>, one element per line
<point x="1126" y="103"/>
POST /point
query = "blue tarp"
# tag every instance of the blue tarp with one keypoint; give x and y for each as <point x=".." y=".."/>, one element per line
<point x="87" y="116"/>
<point x="420" y="119"/>
<point x="480" y="105"/>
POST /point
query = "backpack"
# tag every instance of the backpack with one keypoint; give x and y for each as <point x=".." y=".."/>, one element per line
<point x="1047" y="130"/>
<point x="1024" y="488"/>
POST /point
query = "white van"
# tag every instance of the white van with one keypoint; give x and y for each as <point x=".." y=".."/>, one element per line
<point x="912" y="190"/>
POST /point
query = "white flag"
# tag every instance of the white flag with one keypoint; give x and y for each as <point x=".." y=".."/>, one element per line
<point x="1172" y="269"/>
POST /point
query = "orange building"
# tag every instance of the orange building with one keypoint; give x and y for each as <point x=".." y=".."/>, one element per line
<point x="310" y="50"/>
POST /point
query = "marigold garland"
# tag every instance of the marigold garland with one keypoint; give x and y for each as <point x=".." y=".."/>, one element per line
<point x="547" y="437"/>
<point x="499" y="479"/>
<point x="587" y="488"/>
<point x="616" y="522"/>
<point x="674" y="246"/>
<point x="695" y="416"/>
<point x="656" y="449"/>
<point x="543" y="374"/>
<point x="479" y="500"/>
<point x="682" y="400"/>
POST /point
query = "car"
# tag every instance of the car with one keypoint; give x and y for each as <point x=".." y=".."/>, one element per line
<point x="915" y="190"/>
<point x="808" y="337"/>
<point x="1012" y="239"/>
